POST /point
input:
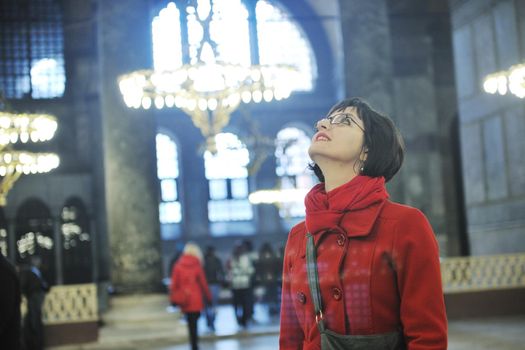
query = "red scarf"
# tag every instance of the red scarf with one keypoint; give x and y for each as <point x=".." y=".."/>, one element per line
<point x="363" y="197"/>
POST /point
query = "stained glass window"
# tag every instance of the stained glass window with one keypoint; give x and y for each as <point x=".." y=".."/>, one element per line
<point x="31" y="49"/>
<point x="168" y="173"/>
<point x="226" y="171"/>
<point x="280" y="39"/>
<point x="292" y="167"/>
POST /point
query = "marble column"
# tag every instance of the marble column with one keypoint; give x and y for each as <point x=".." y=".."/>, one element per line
<point x="366" y="45"/>
<point x="131" y="185"/>
<point x="425" y="107"/>
<point x="368" y="59"/>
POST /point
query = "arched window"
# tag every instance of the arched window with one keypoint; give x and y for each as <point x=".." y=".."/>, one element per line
<point x="292" y="157"/>
<point x="167" y="44"/>
<point x="170" y="213"/>
<point x="280" y="39"/>
<point x="31" y="49"/>
<point x="34" y="236"/>
<point x="76" y="242"/>
<point x="228" y="180"/>
<point x="230" y="20"/>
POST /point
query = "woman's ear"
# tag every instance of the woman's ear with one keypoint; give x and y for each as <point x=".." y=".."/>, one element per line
<point x="364" y="154"/>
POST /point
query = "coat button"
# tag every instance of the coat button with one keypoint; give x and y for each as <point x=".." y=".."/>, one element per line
<point x="336" y="293"/>
<point x="341" y="239"/>
<point x="301" y="297"/>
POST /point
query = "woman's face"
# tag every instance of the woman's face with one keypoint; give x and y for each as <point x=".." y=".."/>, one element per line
<point x="340" y="138"/>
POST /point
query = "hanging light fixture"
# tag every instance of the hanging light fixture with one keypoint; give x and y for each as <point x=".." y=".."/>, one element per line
<point x="208" y="90"/>
<point x="511" y="80"/>
<point x="22" y="128"/>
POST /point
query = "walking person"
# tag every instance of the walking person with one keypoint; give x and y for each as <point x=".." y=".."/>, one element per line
<point x="189" y="288"/>
<point x="34" y="287"/>
<point x="266" y="271"/>
<point x="253" y="255"/>
<point x="361" y="271"/>
<point x="215" y="277"/>
<point x="10" y="333"/>
<point x="241" y="276"/>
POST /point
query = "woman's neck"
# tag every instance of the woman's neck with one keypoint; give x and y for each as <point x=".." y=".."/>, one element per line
<point x="336" y="175"/>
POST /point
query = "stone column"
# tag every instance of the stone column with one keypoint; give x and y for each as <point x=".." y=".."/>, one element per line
<point x="368" y="59"/>
<point x="131" y="185"/>
<point x="424" y="108"/>
<point x="367" y="49"/>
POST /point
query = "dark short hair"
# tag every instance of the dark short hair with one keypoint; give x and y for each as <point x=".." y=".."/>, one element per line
<point x="386" y="149"/>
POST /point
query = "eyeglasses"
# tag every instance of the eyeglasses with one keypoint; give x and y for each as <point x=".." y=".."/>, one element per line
<point x="340" y="118"/>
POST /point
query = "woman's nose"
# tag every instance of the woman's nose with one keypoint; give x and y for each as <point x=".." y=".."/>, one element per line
<point x="323" y="123"/>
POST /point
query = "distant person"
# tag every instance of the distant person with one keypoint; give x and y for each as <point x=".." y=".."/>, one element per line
<point x="266" y="272"/>
<point x="10" y="332"/>
<point x="215" y="277"/>
<point x="34" y="288"/>
<point x="189" y="289"/>
<point x="254" y="257"/>
<point x="241" y="272"/>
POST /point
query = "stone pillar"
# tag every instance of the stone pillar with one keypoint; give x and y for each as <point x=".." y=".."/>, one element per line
<point x="368" y="59"/>
<point x="424" y="109"/>
<point x="489" y="36"/>
<point x="367" y="48"/>
<point x="398" y="57"/>
<point x="131" y="185"/>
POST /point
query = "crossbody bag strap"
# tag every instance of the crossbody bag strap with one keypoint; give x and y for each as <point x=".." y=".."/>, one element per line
<point x="313" y="280"/>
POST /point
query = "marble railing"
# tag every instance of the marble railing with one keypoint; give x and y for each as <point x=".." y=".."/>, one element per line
<point x="479" y="273"/>
<point x="78" y="303"/>
<point x="73" y="303"/>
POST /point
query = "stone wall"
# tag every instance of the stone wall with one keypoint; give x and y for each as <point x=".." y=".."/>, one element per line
<point x="489" y="36"/>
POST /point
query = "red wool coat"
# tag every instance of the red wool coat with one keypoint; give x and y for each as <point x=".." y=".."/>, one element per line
<point x="380" y="267"/>
<point x="188" y="275"/>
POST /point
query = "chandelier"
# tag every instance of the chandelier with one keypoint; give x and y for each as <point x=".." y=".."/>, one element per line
<point x="512" y="80"/>
<point x="208" y="90"/>
<point x="22" y="128"/>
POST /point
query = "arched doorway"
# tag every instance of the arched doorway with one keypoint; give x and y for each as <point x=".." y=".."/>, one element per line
<point x="76" y="242"/>
<point x="34" y="236"/>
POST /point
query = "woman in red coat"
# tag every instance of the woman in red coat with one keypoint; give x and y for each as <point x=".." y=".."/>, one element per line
<point x="377" y="260"/>
<point x="189" y="289"/>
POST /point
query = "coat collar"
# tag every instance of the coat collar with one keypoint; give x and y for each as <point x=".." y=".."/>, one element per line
<point x="354" y="224"/>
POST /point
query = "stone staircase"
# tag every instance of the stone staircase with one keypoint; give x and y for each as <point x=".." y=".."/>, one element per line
<point x="141" y="318"/>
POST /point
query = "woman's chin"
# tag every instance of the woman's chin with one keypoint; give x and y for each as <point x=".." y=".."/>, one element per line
<point x="317" y="149"/>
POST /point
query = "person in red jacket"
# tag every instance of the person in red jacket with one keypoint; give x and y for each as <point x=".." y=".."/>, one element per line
<point x="189" y="288"/>
<point x="378" y="261"/>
